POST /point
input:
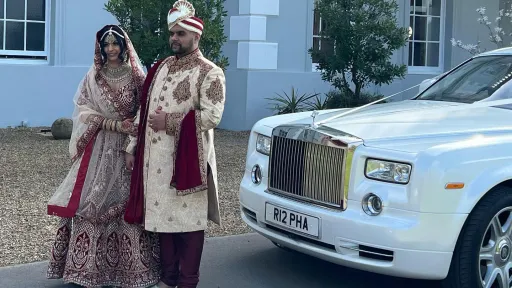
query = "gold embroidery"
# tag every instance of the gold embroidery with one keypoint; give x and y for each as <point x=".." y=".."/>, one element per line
<point x="124" y="101"/>
<point x="94" y="122"/>
<point x="204" y="69"/>
<point x="182" y="91"/>
<point x="172" y="122"/>
<point x="215" y="92"/>
<point x="184" y="63"/>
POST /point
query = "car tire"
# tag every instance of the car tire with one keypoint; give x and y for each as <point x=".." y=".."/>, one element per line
<point x="465" y="269"/>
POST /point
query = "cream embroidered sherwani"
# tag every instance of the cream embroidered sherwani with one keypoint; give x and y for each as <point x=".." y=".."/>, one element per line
<point x="180" y="85"/>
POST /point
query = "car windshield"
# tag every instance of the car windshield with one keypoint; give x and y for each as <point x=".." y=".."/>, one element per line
<point x="480" y="79"/>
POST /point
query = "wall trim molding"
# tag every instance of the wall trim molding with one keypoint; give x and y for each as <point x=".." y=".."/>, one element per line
<point x="249" y="28"/>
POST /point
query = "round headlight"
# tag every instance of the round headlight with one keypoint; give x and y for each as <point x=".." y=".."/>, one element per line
<point x="372" y="204"/>
<point x="256" y="174"/>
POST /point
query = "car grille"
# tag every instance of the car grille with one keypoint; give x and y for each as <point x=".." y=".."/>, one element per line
<point x="307" y="171"/>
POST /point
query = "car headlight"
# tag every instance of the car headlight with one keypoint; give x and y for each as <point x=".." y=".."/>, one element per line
<point x="263" y="144"/>
<point x="388" y="171"/>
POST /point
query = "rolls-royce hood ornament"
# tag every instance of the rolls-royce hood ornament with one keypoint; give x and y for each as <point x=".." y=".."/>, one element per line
<point x="313" y="115"/>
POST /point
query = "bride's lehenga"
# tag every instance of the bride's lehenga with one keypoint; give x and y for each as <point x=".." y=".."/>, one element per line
<point x="94" y="246"/>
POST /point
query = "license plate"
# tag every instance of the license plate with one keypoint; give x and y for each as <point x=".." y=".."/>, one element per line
<point x="292" y="220"/>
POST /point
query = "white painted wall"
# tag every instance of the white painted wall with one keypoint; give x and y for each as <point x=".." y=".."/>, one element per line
<point x="40" y="93"/>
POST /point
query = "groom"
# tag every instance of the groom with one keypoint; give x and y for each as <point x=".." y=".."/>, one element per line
<point x="174" y="179"/>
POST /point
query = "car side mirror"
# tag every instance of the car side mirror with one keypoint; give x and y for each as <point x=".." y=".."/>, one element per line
<point x="425" y="83"/>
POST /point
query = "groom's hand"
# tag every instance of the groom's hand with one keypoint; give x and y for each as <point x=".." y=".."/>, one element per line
<point x="157" y="120"/>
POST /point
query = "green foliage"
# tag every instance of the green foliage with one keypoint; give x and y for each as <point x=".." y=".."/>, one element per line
<point x="146" y="24"/>
<point x="338" y="99"/>
<point x="318" y="104"/>
<point x="366" y="34"/>
<point x="334" y="99"/>
<point x="293" y="103"/>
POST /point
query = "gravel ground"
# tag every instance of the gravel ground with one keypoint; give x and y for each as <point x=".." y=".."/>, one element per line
<point x="32" y="166"/>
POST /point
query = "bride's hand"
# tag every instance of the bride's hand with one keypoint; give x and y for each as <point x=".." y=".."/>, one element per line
<point x="129" y="127"/>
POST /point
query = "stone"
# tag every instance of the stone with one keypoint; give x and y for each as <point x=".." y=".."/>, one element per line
<point x="62" y="128"/>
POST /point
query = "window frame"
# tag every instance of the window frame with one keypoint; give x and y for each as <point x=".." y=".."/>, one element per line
<point x="314" y="65"/>
<point x="429" y="70"/>
<point x="28" y="54"/>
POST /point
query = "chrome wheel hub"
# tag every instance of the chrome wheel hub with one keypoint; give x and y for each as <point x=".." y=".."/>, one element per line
<point x="495" y="257"/>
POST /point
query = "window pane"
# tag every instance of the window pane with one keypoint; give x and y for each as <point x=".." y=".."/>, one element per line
<point x="419" y="54"/>
<point x="411" y="8"/>
<point x="15" y="9"/>
<point x="434" y="29"/>
<point x="15" y="36"/>
<point x="433" y="55"/>
<point x="35" y="36"/>
<point x="323" y="25"/>
<point x="434" y="7"/>
<point x="1" y="9"/>
<point x="1" y="35"/>
<point x="316" y="23"/>
<point x="420" y="28"/>
<point x="35" y="10"/>
<point x="316" y="44"/>
<point x="327" y="47"/>
<point x="421" y="7"/>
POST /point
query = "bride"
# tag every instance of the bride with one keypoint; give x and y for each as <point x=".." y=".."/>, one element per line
<point x="93" y="246"/>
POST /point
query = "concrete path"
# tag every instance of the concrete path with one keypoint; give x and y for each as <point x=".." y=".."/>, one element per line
<point x="248" y="261"/>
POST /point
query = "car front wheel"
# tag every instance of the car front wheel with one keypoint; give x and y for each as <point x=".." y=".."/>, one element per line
<point x="483" y="255"/>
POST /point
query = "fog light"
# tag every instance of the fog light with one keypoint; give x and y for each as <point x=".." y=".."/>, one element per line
<point x="256" y="174"/>
<point x="372" y="204"/>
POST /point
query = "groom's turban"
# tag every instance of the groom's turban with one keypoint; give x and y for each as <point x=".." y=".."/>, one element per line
<point x="183" y="14"/>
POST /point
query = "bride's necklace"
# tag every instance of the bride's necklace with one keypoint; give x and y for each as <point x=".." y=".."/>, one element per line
<point x="117" y="74"/>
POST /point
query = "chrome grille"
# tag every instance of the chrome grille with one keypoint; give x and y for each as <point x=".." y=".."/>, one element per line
<point x="307" y="171"/>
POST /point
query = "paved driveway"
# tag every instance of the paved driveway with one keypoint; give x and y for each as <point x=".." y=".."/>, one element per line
<point x="248" y="261"/>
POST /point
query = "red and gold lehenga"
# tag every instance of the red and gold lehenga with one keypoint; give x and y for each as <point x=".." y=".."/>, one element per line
<point x="94" y="246"/>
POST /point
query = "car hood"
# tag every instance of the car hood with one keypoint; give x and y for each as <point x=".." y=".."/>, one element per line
<point x="411" y="124"/>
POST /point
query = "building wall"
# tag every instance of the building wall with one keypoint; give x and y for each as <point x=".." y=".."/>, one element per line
<point x="41" y="93"/>
<point x="268" y="55"/>
<point x="289" y="28"/>
<point x="467" y="29"/>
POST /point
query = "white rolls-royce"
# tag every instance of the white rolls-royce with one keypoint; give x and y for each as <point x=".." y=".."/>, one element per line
<point x="420" y="188"/>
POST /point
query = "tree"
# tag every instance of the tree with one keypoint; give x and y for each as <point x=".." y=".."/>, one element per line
<point x="365" y="35"/>
<point x="146" y="23"/>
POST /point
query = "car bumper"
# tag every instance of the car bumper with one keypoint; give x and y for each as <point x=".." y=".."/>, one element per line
<point x="396" y="243"/>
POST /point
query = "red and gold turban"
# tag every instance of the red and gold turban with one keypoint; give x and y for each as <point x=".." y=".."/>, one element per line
<point x="183" y="14"/>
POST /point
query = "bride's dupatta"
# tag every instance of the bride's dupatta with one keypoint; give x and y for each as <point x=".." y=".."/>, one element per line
<point x="92" y="102"/>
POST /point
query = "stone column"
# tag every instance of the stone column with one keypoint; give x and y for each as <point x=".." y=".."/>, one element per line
<point x="249" y="28"/>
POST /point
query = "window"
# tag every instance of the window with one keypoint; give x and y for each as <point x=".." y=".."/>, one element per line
<point x="320" y="44"/>
<point x="426" y="36"/>
<point x="23" y="29"/>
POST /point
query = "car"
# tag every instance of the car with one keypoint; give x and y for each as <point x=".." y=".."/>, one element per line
<point x="419" y="188"/>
